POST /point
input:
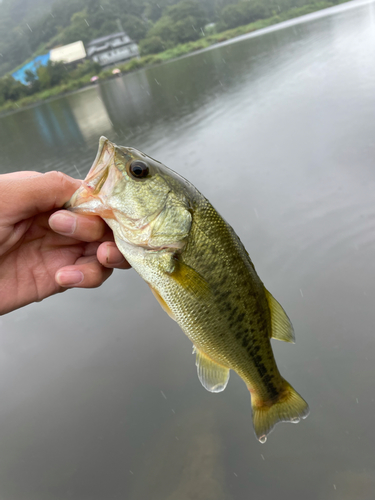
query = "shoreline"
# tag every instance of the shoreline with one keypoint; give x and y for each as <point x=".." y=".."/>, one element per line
<point x="257" y="28"/>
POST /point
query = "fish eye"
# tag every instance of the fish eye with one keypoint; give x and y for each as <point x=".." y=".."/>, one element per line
<point x="139" y="169"/>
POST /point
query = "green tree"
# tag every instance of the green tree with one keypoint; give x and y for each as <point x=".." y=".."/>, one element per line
<point x="180" y="23"/>
<point x="187" y="8"/>
<point x="151" y="45"/>
<point x="163" y="29"/>
<point x="10" y="89"/>
<point x="30" y="76"/>
<point x="135" y="27"/>
<point x="153" y="12"/>
<point x="109" y="26"/>
<point x="86" y="67"/>
<point x="32" y="81"/>
<point x="51" y="75"/>
<point x="187" y="29"/>
<point x="79" y="29"/>
<point x="243" y="13"/>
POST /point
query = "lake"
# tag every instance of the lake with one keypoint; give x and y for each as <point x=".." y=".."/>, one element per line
<point x="98" y="388"/>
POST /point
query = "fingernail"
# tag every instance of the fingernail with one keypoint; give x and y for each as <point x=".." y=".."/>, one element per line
<point x="64" y="223"/>
<point x="69" y="278"/>
<point x="113" y="256"/>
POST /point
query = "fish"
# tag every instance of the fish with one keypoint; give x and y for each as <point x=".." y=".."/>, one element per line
<point x="200" y="273"/>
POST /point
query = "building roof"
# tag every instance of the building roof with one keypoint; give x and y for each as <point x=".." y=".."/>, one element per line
<point x="106" y="38"/>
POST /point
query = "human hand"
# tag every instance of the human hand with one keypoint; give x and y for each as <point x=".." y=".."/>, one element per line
<point x="44" y="251"/>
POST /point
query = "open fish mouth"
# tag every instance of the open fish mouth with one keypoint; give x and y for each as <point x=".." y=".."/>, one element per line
<point x="90" y="197"/>
<point x="95" y="193"/>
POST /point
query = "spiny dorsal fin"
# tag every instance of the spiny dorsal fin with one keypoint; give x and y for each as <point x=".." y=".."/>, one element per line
<point x="162" y="302"/>
<point x="282" y="328"/>
<point x="212" y="376"/>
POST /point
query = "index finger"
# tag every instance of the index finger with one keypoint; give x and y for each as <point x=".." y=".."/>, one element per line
<point x="20" y="174"/>
<point x="24" y="197"/>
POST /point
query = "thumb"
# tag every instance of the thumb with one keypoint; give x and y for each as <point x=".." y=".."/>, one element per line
<point x="24" y="197"/>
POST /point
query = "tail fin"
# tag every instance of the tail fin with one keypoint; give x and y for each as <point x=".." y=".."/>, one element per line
<point x="290" y="407"/>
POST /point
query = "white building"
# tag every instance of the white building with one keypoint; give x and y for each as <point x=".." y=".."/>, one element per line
<point x="112" y="49"/>
<point x="68" y="53"/>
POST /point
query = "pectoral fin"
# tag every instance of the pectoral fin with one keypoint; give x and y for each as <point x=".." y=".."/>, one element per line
<point x="282" y="328"/>
<point x="213" y="377"/>
<point x="190" y="280"/>
<point x="162" y="302"/>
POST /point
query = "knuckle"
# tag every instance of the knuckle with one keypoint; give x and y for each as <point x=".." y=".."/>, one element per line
<point x="56" y="174"/>
<point x="60" y="178"/>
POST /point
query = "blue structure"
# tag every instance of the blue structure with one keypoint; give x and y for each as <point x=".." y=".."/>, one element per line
<point x="33" y="65"/>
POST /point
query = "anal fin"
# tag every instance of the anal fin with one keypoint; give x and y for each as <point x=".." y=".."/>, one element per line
<point x="282" y="328"/>
<point x="213" y="377"/>
<point x="162" y="302"/>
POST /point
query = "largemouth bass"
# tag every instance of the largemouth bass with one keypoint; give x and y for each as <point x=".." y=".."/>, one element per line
<point x="199" y="271"/>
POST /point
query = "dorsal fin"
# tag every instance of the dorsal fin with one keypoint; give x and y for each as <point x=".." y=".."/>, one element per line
<point x="212" y="376"/>
<point x="282" y="328"/>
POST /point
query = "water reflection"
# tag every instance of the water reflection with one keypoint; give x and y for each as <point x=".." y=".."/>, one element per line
<point x="90" y="114"/>
<point x="196" y="473"/>
<point x="127" y="100"/>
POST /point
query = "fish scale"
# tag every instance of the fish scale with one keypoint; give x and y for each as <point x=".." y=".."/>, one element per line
<point x="238" y="308"/>
<point x="200" y="273"/>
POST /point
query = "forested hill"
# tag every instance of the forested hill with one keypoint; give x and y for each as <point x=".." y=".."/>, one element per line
<point x="32" y="27"/>
<point x="14" y="17"/>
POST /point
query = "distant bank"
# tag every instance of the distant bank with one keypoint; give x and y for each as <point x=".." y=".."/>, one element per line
<point x="297" y="15"/>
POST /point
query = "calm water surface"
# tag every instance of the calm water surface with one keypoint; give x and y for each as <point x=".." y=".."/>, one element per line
<point x="98" y="389"/>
